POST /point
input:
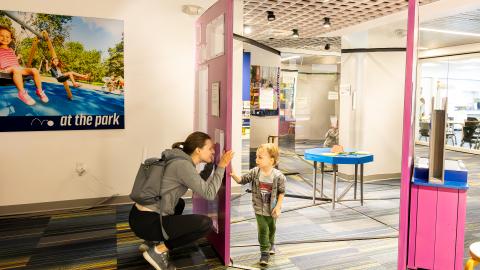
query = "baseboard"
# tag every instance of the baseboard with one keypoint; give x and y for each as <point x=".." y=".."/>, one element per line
<point x="45" y="207"/>
<point x="372" y="177"/>
<point x="32" y="208"/>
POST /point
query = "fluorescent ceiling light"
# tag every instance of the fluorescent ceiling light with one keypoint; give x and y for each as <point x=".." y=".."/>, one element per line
<point x="290" y="57"/>
<point x="449" y="32"/>
<point x="469" y="67"/>
<point x="429" y="64"/>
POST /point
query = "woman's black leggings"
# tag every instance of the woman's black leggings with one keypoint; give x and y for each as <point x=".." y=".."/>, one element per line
<point x="181" y="229"/>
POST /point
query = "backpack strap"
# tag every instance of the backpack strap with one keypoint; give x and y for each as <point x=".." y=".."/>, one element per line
<point x="167" y="162"/>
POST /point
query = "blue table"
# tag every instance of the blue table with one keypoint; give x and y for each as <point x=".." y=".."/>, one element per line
<point x="322" y="155"/>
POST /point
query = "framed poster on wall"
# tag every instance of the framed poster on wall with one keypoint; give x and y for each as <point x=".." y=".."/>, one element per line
<point x="92" y="98"/>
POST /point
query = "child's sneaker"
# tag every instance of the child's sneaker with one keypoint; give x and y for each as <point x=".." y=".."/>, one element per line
<point x="264" y="258"/>
<point x="272" y="249"/>
<point x="23" y="96"/>
<point x="43" y="97"/>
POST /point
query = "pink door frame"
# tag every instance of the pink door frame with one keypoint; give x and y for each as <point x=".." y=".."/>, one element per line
<point x="218" y="73"/>
<point x="408" y="129"/>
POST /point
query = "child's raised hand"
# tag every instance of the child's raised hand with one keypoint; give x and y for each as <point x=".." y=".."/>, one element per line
<point x="235" y="176"/>
<point x="276" y="212"/>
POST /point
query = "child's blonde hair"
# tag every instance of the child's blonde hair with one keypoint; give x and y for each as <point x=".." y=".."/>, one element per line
<point x="272" y="151"/>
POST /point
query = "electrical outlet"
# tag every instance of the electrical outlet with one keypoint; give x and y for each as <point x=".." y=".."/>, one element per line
<point x="80" y="168"/>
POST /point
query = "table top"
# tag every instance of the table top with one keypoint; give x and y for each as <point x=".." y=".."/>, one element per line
<point x="350" y="157"/>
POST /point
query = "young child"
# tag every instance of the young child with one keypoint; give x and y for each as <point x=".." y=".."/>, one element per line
<point x="56" y="72"/>
<point x="9" y="64"/>
<point x="268" y="190"/>
<point x="331" y="137"/>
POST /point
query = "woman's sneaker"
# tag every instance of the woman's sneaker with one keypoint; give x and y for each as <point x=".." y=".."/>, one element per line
<point x="158" y="261"/>
<point x="272" y="250"/>
<point x="146" y="245"/>
<point x="23" y="96"/>
<point x="264" y="258"/>
<point x="43" y="97"/>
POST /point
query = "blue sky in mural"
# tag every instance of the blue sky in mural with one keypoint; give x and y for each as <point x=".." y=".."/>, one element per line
<point x="96" y="33"/>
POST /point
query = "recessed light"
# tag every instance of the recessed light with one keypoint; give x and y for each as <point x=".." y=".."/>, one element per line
<point x="295" y="33"/>
<point x="326" y="22"/>
<point x="247" y="29"/>
<point x="270" y="16"/>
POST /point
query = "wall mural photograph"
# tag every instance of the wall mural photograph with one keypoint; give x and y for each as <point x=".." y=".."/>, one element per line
<point x="60" y="72"/>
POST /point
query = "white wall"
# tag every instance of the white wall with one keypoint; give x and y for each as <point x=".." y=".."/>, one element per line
<point x="262" y="127"/>
<point x="313" y="109"/>
<point x="375" y="125"/>
<point x="261" y="57"/>
<point x="159" y="74"/>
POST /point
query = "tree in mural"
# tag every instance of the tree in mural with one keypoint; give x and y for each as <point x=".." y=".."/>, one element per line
<point x="114" y="62"/>
<point x="71" y="53"/>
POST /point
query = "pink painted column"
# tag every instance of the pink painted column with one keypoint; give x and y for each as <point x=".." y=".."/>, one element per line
<point x="408" y="129"/>
<point x="219" y="70"/>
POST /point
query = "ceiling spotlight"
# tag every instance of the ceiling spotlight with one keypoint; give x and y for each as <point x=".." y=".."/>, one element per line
<point x="270" y="16"/>
<point x="295" y="33"/>
<point x="326" y="22"/>
<point x="247" y="29"/>
<point x="327" y="46"/>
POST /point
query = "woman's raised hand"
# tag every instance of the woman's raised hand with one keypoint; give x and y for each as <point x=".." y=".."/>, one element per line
<point x="225" y="159"/>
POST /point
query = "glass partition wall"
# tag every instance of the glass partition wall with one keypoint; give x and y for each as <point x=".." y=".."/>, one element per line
<point x="458" y="77"/>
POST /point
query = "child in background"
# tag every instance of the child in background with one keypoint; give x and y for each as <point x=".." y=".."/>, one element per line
<point x="9" y="64"/>
<point x="56" y="72"/>
<point x="331" y="137"/>
<point x="268" y="190"/>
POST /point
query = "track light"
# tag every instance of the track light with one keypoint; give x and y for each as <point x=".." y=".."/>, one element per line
<point x="270" y="16"/>
<point x="326" y="22"/>
<point x="295" y="33"/>
<point x="327" y="46"/>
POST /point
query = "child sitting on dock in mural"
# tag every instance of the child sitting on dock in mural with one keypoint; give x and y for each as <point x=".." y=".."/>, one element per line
<point x="56" y="72"/>
<point x="9" y="64"/>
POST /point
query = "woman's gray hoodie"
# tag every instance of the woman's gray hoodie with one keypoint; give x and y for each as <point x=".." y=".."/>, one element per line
<point x="181" y="175"/>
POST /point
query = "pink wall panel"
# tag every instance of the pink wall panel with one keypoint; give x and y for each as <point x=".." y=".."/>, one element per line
<point x="446" y="235"/>
<point x="426" y="219"/>
<point x="413" y="225"/>
<point x="461" y="217"/>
